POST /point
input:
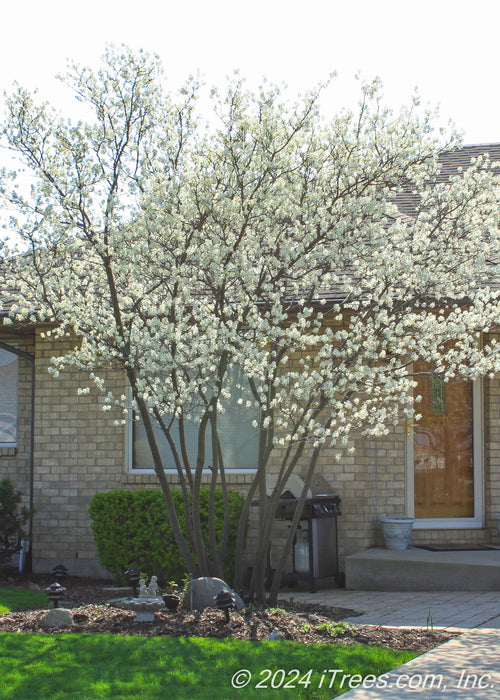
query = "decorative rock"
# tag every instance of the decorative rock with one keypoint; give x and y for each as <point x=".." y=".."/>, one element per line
<point x="57" y="617"/>
<point x="274" y="636"/>
<point x="200" y="593"/>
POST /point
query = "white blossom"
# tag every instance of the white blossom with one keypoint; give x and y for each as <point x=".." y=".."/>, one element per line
<point x="269" y="245"/>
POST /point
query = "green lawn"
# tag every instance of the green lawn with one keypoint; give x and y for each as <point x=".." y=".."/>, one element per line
<point x="111" y="666"/>
<point x="21" y="599"/>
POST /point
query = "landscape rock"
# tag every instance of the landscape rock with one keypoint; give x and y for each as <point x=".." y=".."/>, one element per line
<point x="57" y="617"/>
<point x="274" y="635"/>
<point x="200" y="592"/>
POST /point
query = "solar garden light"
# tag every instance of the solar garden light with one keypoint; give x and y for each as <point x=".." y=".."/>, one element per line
<point x="60" y="572"/>
<point x="224" y="601"/>
<point x="133" y="575"/>
<point x="55" y="592"/>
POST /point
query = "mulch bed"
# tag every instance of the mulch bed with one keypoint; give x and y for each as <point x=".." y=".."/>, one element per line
<point x="309" y="624"/>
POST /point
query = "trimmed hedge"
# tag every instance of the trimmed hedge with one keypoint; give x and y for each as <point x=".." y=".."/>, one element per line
<point x="131" y="528"/>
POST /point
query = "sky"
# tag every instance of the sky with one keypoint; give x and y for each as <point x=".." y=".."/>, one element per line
<point x="446" y="48"/>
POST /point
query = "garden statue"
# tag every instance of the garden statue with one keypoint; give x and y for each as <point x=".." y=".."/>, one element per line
<point x="152" y="589"/>
<point x="147" y="603"/>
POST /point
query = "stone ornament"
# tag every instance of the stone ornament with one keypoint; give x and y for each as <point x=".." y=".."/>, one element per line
<point x="200" y="593"/>
<point x="148" y="602"/>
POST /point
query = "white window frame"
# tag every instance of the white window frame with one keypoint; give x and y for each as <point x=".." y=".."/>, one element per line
<point x="477" y="521"/>
<point x="15" y="443"/>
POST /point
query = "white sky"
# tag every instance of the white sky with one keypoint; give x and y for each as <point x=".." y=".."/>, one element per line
<point x="448" y="48"/>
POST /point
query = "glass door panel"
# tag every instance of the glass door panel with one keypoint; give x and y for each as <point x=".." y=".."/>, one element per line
<point x="443" y="447"/>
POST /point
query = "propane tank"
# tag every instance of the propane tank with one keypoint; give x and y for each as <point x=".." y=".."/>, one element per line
<point x="301" y="552"/>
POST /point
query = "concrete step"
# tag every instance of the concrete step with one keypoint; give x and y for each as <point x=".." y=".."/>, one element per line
<point x="416" y="569"/>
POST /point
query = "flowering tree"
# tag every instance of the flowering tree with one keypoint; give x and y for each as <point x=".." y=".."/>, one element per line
<point x="259" y="262"/>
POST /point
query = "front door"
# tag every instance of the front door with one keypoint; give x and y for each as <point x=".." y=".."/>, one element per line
<point x="444" y="453"/>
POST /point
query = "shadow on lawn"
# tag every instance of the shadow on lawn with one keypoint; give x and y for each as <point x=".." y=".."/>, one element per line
<point x="109" y="666"/>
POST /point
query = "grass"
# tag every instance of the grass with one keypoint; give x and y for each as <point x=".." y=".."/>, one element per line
<point x="113" y="666"/>
<point x="21" y="599"/>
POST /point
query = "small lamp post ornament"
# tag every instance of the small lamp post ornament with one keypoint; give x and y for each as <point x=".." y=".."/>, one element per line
<point x="133" y="576"/>
<point x="55" y="593"/>
<point x="224" y="601"/>
<point x="60" y="572"/>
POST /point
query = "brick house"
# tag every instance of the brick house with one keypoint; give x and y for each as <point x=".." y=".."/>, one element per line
<point x="445" y="472"/>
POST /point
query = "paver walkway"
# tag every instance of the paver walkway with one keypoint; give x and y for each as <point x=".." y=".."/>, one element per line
<point x="465" y="668"/>
<point x="455" y="609"/>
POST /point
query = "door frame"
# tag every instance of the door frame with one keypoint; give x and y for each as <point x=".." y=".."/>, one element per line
<point x="477" y="521"/>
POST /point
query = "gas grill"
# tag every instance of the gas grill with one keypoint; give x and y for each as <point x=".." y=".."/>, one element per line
<point x="321" y="506"/>
<point x="319" y="518"/>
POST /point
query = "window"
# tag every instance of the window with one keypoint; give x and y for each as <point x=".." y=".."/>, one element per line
<point x="8" y="398"/>
<point x="239" y="439"/>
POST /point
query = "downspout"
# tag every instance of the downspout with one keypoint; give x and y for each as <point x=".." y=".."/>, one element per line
<point x="28" y="562"/>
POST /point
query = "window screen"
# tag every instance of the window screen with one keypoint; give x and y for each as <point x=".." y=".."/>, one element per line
<point x="8" y="397"/>
<point x="239" y="439"/>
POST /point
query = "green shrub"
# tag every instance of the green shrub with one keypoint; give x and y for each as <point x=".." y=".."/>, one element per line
<point x="13" y="520"/>
<point x="131" y="528"/>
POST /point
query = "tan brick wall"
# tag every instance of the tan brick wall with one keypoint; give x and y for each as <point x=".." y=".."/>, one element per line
<point x="79" y="451"/>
